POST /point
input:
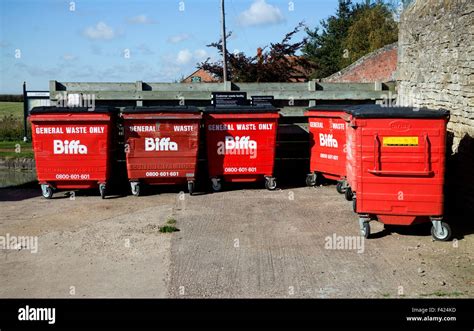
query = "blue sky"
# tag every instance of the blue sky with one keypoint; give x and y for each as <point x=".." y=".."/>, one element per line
<point x="130" y="40"/>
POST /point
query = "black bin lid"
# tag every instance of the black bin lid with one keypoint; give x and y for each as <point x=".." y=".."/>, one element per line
<point x="71" y="110"/>
<point x="160" y="109"/>
<point x="328" y="107"/>
<point x="241" y="109"/>
<point x="377" y="111"/>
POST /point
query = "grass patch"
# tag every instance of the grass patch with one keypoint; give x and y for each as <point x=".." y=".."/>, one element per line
<point x="169" y="227"/>
<point x="14" y="109"/>
<point x="11" y="121"/>
<point x="11" y="128"/>
<point x="16" y="149"/>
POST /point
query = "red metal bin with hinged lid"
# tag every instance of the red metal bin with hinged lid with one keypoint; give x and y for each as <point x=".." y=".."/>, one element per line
<point x="398" y="164"/>
<point x="72" y="147"/>
<point x="327" y="132"/>
<point x="351" y="162"/>
<point x="161" y="145"/>
<point x="241" y="142"/>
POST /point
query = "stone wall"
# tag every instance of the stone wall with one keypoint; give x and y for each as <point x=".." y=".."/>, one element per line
<point x="377" y="66"/>
<point x="17" y="163"/>
<point x="436" y="70"/>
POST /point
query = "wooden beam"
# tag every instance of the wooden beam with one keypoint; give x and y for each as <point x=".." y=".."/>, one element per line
<point x="308" y="86"/>
<point x="198" y="95"/>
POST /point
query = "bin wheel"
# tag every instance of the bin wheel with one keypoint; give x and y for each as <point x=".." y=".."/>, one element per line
<point x="270" y="183"/>
<point x="364" y="228"/>
<point x="354" y="205"/>
<point x="348" y="194"/>
<point x="135" y="189"/>
<point x="102" y="189"/>
<point x="311" y="179"/>
<point x="443" y="233"/>
<point x="191" y="188"/>
<point x="47" y="191"/>
<point x="340" y="187"/>
<point x="216" y="185"/>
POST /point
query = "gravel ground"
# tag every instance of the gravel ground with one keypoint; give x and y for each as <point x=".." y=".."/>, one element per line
<point x="241" y="243"/>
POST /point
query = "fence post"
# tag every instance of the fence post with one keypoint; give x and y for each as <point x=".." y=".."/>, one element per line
<point x="25" y="113"/>
<point x="139" y="88"/>
<point x="312" y="88"/>
<point x="52" y="92"/>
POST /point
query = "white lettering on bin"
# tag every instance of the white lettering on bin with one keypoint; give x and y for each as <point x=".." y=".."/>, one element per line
<point x="237" y="146"/>
<point x="327" y="140"/>
<point x="160" y="144"/>
<point x="69" y="147"/>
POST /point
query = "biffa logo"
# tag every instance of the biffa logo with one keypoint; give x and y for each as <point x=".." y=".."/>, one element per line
<point x="69" y="147"/>
<point x="157" y="144"/>
<point x="327" y="140"/>
<point x="237" y="146"/>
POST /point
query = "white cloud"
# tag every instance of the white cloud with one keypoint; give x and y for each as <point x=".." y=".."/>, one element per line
<point x="69" y="57"/>
<point x="100" y="31"/>
<point x="184" y="56"/>
<point x="261" y="13"/>
<point x="200" y="54"/>
<point x="178" y="38"/>
<point x="140" y="19"/>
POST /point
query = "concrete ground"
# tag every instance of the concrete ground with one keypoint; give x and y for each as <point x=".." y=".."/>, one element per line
<point x="242" y="243"/>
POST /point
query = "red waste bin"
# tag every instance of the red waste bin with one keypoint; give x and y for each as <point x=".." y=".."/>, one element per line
<point x="327" y="132"/>
<point x="161" y="145"/>
<point x="398" y="166"/>
<point x="72" y="147"/>
<point x="351" y="164"/>
<point x="241" y="144"/>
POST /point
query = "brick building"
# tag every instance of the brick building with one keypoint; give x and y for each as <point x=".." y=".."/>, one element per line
<point x="378" y="66"/>
<point x="200" y="76"/>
